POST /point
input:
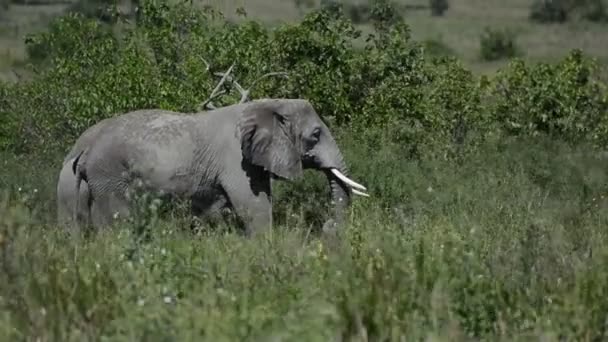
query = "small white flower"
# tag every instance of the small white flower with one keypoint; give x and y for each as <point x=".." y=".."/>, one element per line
<point x="141" y="302"/>
<point x="429" y="189"/>
<point x="35" y="190"/>
<point x="19" y="189"/>
<point x="167" y="300"/>
<point x="163" y="251"/>
<point x="97" y="266"/>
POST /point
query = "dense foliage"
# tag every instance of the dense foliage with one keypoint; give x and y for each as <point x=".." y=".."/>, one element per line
<point x="487" y="216"/>
<point x="90" y="70"/>
<point x="559" y="11"/>
<point x="497" y="44"/>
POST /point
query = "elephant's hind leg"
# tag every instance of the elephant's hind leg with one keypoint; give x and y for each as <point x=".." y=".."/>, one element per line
<point x="109" y="201"/>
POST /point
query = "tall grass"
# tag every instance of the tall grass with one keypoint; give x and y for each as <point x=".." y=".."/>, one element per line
<point x="508" y="243"/>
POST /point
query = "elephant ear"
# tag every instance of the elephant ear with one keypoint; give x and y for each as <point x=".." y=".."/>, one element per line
<point x="267" y="140"/>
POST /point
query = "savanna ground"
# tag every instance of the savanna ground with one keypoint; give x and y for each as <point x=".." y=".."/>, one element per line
<point x="497" y="233"/>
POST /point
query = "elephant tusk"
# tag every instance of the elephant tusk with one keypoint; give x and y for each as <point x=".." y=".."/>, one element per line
<point x="347" y="180"/>
<point x="357" y="192"/>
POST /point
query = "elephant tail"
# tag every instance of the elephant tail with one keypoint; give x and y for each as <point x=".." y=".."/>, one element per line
<point x="80" y="173"/>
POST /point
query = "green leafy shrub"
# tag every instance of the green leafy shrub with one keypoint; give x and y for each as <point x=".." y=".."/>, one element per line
<point x="594" y="10"/>
<point x="548" y="11"/>
<point x="102" y="10"/>
<point x="359" y="13"/>
<point x="437" y="48"/>
<point x="438" y="7"/>
<point x="382" y="90"/>
<point x="385" y="12"/>
<point x="332" y="6"/>
<point x="497" y="44"/>
<point x="69" y="37"/>
<point x="158" y="64"/>
<point x="304" y="3"/>
<point x="561" y="100"/>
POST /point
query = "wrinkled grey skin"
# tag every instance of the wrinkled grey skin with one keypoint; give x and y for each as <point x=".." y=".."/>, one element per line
<point x="66" y="197"/>
<point x="222" y="158"/>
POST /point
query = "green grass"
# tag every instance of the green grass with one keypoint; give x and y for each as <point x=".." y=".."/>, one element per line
<point x="507" y="244"/>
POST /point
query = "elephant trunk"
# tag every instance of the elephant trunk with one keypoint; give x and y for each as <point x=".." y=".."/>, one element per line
<point x="341" y="187"/>
<point x="340" y="200"/>
<point x="329" y="159"/>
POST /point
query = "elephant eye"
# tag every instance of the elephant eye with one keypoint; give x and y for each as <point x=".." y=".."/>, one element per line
<point x="316" y="134"/>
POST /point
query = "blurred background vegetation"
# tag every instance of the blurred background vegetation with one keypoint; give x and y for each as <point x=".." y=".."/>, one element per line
<point x="545" y="30"/>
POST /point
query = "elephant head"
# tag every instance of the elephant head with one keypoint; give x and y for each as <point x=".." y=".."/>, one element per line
<point x="285" y="136"/>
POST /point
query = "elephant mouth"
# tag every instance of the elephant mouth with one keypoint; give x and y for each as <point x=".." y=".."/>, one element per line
<point x="309" y="161"/>
<point x="355" y="187"/>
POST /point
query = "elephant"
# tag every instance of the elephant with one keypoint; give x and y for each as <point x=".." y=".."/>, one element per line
<point x="220" y="158"/>
<point x="66" y="198"/>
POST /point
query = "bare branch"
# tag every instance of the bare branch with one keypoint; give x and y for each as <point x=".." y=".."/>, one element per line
<point x="208" y="104"/>
<point x="245" y="93"/>
<point x="19" y="77"/>
<point x="279" y="73"/>
<point x="226" y="76"/>
<point x="207" y="65"/>
<point x="239" y="88"/>
<point x="216" y="91"/>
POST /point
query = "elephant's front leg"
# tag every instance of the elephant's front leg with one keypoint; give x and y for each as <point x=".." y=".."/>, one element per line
<point x="250" y="197"/>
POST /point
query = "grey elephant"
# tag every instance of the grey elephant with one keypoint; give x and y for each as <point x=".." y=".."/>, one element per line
<point x="223" y="158"/>
<point x="66" y="197"/>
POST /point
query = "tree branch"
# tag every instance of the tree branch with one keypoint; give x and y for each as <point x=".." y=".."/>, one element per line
<point x="216" y="91"/>
<point x="226" y="76"/>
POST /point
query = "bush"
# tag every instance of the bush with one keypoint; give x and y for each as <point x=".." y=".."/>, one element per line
<point x="438" y="7"/>
<point x="359" y="13"/>
<point x="437" y="48"/>
<point x="594" y="10"/>
<point x="497" y="44"/>
<point x="562" y="100"/>
<point x="385" y="12"/>
<point x="158" y="64"/>
<point x="548" y="11"/>
<point x="382" y="90"/>
<point x="304" y="3"/>
<point x="102" y="10"/>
